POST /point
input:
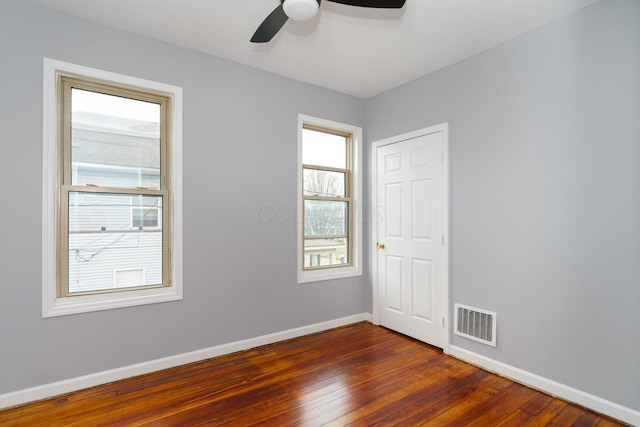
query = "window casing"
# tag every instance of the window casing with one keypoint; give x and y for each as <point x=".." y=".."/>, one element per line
<point x="329" y="237"/>
<point x="112" y="191"/>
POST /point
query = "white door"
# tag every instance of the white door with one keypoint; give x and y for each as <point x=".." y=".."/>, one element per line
<point x="409" y="212"/>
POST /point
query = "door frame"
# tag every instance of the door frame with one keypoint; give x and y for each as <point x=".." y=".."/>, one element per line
<point x="444" y="128"/>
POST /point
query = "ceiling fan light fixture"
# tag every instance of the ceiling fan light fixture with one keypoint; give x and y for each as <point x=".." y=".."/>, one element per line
<point x="301" y="10"/>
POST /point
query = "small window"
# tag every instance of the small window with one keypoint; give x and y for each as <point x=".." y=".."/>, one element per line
<point x="129" y="278"/>
<point x="113" y="150"/>
<point x="329" y="189"/>
<point x="145" y="212"/>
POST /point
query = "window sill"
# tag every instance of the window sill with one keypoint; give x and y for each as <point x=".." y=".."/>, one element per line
<point x="309" y="276"/>
<point x="53" y="307"/>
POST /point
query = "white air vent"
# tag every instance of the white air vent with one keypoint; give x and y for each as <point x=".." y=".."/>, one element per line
<point x="475" y="324"/>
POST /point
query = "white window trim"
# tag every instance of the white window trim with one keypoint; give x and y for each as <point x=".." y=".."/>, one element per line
<point x="52" y="305"/>
<point x="337" y="272"/>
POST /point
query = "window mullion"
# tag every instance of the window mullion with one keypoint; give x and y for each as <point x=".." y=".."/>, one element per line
<point x="114" y="190"/>
<point x="328" y="236"/>
<point x="325" y="168"/>
<point x="328" y="199"/>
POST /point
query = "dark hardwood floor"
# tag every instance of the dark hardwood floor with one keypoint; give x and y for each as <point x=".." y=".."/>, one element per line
<point x="358" y="375"/>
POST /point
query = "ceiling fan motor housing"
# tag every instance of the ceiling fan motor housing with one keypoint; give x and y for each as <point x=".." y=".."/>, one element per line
<point x="301" y="10"/>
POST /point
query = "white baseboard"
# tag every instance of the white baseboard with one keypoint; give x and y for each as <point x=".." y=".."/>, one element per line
<point x="21" y="397"/>
<point x="548" y="386"/>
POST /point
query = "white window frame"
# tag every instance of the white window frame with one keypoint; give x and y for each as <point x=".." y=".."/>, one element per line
<point x="52" y="305"/>
<point x="355" y="267"/>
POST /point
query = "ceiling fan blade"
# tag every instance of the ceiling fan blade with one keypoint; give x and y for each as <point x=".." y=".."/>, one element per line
<point x="270" y="26"/>
<point x="383" y="4"/>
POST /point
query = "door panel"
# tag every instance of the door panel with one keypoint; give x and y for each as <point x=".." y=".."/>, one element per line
<point x="411" y="265"/>
<point x="394" y="284"/>
<point x="422" y="282"/>
<point x="421" y="215"/>
<point x="393" y="211"/>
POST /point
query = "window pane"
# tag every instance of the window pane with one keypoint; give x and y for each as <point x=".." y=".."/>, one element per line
<point x="115" y="141"/>
<point x="324" y="149"/>
<point x="320" y="252"/>
<point x="102" y="241"/>
<point x="325" y="218"/>
<point x="323" y="183"/>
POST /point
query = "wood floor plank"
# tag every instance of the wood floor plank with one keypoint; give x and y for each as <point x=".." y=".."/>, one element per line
<point x="546" y="413"/>
<point x="608" y="422"/>
<point x="398" y="406"/>
<point x="516" y="419"/>
<point x="568" y="416"/>
<point x="498" y="407"/>
<point x="587" y="419"/>
<point x="358" y="375"/>
<point x="536" y="404"/>
<point x="465" y="402"/>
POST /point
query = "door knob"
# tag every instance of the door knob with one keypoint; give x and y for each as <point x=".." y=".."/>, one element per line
<point x="380" y="245"/>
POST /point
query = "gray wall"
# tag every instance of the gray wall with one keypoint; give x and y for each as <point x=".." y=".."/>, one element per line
<point x="545" y="193"/>
<point x="239" y="155"/>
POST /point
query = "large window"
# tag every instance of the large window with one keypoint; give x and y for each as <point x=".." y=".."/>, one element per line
<point x="112" y="188"/>
<point x="329" y="233"/>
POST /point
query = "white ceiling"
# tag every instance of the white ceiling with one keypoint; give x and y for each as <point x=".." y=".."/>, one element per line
<point x="354" y="50"/>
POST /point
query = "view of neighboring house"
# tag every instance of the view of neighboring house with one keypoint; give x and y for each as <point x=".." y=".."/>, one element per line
<point x="115" y="240"/>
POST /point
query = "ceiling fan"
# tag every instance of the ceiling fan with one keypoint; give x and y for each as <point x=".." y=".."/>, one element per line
<point x="303" y="10"/>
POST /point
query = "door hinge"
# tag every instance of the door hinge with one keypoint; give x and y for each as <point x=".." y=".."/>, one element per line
<point x="443" y="239"/>
<point x="443" y="322"/>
